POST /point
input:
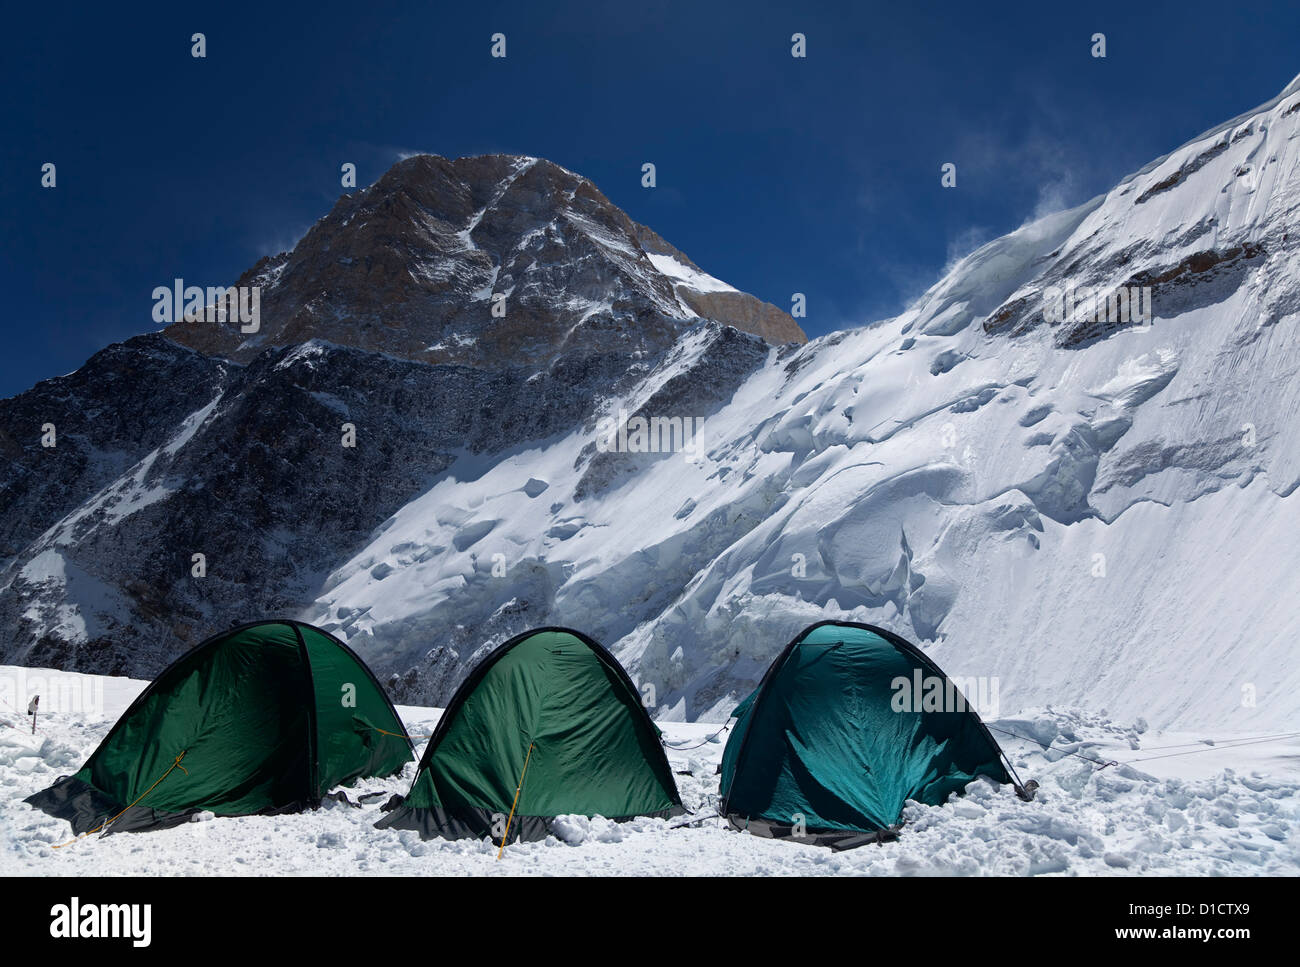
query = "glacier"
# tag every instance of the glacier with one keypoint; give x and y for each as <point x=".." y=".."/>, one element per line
<point x="1092" y="513"/>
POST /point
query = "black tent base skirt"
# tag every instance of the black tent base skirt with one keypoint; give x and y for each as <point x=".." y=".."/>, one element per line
<point x="837" y="839"/>
<point x="87" y="808"/>
<point x="434" y="823"/>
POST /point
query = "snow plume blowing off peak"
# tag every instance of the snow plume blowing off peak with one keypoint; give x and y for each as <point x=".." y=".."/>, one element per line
<point x="1068" y="472"/>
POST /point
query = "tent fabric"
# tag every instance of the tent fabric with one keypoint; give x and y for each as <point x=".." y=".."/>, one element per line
<point x="554" y="699"/>
<point x="270" y="716"/>
<point x="822" y="748"/>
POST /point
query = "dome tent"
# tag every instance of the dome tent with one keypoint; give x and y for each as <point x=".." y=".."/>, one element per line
<point x="546" y="725"/>
<point x="824" y="750"/>
<point x="262" y="718"/>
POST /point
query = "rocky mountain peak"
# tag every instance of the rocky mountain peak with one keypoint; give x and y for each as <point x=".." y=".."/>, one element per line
<point x="483" y="261"/>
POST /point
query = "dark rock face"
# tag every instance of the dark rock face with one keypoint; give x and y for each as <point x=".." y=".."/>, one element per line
<point x="107" y="415"/>
<point x="247" y="468"/>
<point x="378" y="327"/>
<point x="698" y="390"/>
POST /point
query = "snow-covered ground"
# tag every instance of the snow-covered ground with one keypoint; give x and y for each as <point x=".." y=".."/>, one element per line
<point x="1172" y="805"/>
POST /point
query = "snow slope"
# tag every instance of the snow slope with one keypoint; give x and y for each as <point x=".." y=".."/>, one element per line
<point x="1088" y="513"/>
<point x="1218" y="810"/>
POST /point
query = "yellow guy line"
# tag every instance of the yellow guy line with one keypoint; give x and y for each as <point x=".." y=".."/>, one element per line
<point x="174" y="765"/>
<point x="516" y="802"/>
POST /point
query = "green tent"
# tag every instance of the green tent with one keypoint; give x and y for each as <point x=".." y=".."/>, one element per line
<point x="263" y="718"/>
<point x="830" y="745"/>
<point x="552" y="717"/>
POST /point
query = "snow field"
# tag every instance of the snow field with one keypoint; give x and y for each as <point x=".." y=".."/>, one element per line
<point x="1221" y="810"/>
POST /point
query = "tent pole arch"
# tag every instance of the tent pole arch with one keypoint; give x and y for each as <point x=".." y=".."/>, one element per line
<point x="360" y="662"/>
<point x="555" y="703"/>
<point x="480" y="671"/>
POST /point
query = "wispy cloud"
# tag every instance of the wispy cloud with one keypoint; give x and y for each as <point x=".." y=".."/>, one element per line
<point x="1044" y="158"/>
<point x="278" y="242"/>
<point x="963" y="243"/>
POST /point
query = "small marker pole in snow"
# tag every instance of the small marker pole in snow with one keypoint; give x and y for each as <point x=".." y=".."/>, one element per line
<point x="506" y="834"/>
<point x="31" y="710"/>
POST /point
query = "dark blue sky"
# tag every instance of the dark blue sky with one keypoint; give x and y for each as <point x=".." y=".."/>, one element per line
<point x="778" y="175"/>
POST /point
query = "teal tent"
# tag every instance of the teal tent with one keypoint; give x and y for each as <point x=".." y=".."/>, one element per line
<point x="836" y="739"/>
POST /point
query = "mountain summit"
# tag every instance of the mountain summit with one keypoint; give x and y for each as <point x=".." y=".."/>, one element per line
<point x="1066" y="504"/>
<point x="483" y="261"/>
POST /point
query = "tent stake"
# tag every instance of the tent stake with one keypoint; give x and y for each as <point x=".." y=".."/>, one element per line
<point x="506" y="834"/>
